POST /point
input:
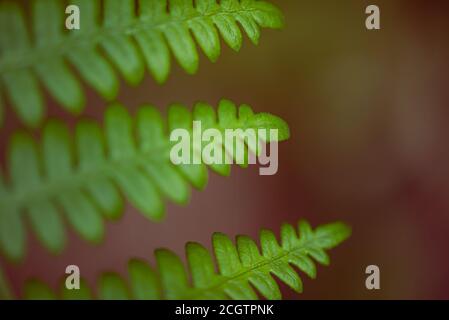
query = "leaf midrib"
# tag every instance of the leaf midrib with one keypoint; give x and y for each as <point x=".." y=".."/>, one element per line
<point x="33" y="55"/>
<point x="79" y="177"/>
<point x="199" y="292"/>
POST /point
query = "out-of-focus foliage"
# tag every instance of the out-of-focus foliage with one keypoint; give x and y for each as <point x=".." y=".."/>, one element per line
<point x="128" y="41"/>
<point x="85" y="176"/>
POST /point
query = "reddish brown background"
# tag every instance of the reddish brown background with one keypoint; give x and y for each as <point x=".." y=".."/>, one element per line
<point x="369" y="118"/>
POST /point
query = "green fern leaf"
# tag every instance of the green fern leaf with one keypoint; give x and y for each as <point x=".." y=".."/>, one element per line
<point x="243" y="272"/>
<point x="83" y="177"/>
<point x="128" y="41"/>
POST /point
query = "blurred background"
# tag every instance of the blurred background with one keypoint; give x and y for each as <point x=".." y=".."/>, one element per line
<point x="369" y="119"/>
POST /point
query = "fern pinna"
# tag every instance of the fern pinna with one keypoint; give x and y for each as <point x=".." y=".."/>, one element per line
<point x="129" y="41"/>
<point x="241" y="268"/>
<point x="85" y="177"/>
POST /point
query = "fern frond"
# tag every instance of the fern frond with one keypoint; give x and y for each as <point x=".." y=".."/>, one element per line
<point x="85" y="177"/>
<point x="128" y="41"/>
<point x="243" y="272"/>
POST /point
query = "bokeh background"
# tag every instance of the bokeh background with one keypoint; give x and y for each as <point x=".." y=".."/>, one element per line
<point x="369" y="119"/>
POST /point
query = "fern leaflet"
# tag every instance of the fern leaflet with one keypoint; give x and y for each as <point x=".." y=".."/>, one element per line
<point x="242" y="268"/>
<point x="128" y="40"/>
<point x="84" y="177"/>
